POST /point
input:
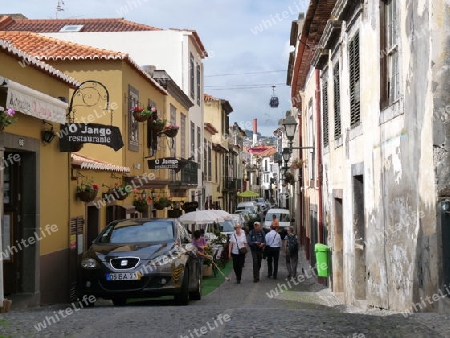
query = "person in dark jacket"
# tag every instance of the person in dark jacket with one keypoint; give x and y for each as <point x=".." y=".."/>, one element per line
<point x="256" y="241"/>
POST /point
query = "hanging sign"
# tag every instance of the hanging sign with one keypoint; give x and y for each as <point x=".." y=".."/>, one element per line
<point x="79" y="133"/>
<point x="167" y="163"/>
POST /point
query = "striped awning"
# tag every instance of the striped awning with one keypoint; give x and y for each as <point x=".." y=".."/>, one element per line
<point x="90" y="163"/>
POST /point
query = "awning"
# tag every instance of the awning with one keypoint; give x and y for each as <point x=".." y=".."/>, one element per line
<point x="89" y="163"/>
<point x="34" y="103"/>
<point x="247" y="194"/>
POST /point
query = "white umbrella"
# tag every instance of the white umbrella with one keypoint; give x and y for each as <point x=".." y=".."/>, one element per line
<point x="201" y="217"/>
<point x="223" y="214"/>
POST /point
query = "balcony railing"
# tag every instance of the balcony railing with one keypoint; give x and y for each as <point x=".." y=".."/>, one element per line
<point x="186" y="176"/>
<point x="232" y="184"/>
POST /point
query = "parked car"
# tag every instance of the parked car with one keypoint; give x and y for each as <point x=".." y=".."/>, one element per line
<point x="263" y="204"/>
<point x="134" y="258"/>
<point x="284" y="218"/>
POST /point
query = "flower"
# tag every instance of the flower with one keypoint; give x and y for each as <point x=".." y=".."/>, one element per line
<point x="170" y="127"/>
<point x="140" y="200"/>
<point x="162" y="200"/>
<point x="157" y="121"/>
<point x="8" y="117"/>
<point x="88" y="186"/>
<point x="145" y="112"/>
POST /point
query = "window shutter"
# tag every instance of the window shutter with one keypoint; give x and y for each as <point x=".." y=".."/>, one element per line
<point x="355" y="109"/>
<point x="325" y="113"/>
<point x="337" y="102"/>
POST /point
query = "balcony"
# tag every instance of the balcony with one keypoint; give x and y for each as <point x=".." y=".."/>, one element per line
<point x="232" y="184"/>
<point x="186" y="178"/>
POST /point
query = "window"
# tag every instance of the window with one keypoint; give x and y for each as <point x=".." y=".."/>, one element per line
<point x="199" y="153"/>
<point x="310" y="161"/>
<point x="191" y="74"/>
<point x="193" y="139"/>
<point x="326" y="132"/>
<point x="355" y="108"/>
<point x="389" y="67"/>
<point x="209" y="163"/>
<point x="205" y="158"/>
<point x="198" y="85"/>
<point x="71" y="28"/>
<point x="337" y="102"/>
<point x="183" y="135"/>
<point x="173" y="120"/>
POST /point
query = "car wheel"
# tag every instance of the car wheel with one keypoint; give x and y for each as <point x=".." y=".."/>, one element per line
<point x="183" y="297"/>
<point x="119" y="301"/>
<point x="197" y="294"/>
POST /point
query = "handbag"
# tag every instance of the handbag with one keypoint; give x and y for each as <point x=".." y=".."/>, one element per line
<point x="243" y="250"/>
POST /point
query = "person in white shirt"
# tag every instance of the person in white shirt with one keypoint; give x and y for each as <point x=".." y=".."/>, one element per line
<point x="273" y="242"/>
<point x="237" y="240"/>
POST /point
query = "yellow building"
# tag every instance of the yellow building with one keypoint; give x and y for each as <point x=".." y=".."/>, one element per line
<point x="35" y="213"/>
<point x="112" y="85"/>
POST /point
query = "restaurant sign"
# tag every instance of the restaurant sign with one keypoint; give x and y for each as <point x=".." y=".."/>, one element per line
<point x="79" y="133"/>
<point x="167" y="163"/>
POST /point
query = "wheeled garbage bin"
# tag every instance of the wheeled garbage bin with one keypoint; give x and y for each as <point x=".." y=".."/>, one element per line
<point x="322" y="259"/>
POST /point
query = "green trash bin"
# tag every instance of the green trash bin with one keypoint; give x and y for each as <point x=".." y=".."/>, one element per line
<point x="322" y="259"/>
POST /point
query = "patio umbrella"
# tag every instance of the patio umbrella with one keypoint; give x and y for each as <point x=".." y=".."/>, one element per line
<point x="223" y="214"/>
<point x="248" y="194"/>
<point x="201" y="217"/>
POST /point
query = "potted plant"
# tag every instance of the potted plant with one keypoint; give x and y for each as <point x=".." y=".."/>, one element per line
<point x="119" y="192"/>
<point x="87" y="191"/>
<point x="7" y="117"/>
<point x="141" y="114"/>
<point x="156" y="123"/>
<point x="296" y="163"/>
<point x="161" y="202"/>
<point x="170" y="130"/>
<point x="141" y="202"/>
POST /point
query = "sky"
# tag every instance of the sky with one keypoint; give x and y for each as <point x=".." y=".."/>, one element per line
<point x="247" y="42"/>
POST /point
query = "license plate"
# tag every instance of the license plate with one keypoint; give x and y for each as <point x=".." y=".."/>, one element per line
<point x="123" y="276"/>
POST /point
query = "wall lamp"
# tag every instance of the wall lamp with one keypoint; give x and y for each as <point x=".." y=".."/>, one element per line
<point x="290" y="126"/>
<point x="48" y="135"/>
<point x="153" y="193"/>
<point x="445" y="205"/>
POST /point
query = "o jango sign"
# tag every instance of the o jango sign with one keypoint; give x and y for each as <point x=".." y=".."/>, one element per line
<point x="79" y="133"/>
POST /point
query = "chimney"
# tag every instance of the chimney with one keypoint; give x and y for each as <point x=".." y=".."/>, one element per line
<point x="255" y="132"/>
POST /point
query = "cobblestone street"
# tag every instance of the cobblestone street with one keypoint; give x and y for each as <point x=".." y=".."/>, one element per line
<point x="246" y="310"/>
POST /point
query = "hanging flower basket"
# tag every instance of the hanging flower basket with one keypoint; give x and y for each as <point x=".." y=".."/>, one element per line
<point x="141" y="208"/>
<point x="170" y="132"/>
<point x="156" y="127"/>
<point x="139" y="117"/>
<point x="159" y="206"/>
<point x="87" y="196"/>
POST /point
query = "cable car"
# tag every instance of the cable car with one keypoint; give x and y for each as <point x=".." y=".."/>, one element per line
<point x="274" y="99"/>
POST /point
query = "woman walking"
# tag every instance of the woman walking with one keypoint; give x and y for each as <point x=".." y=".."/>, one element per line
<point x="238" y="241"/>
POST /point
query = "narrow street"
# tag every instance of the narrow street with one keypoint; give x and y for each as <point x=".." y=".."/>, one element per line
<point x="246" y="310"/>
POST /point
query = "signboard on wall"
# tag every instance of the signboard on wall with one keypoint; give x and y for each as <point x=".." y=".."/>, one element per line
<point x="167" y="163"/>
<point x="79" y="133"/>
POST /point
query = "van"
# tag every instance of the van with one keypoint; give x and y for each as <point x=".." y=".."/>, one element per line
<point x="284" y="217"/>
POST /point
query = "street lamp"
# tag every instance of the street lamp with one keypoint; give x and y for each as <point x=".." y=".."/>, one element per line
<point x="290" y="125"/>
<point x="286" y="154"/>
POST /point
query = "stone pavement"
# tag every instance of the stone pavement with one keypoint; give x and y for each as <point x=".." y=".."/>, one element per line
<point x="270" y="308"/>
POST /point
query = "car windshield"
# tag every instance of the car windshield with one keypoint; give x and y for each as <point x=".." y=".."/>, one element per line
<point x="281" y="217"/>
<point x="226" y="226"/>
<point x="129" y="231"/>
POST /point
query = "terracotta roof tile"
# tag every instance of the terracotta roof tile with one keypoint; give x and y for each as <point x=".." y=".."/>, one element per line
<point x="50" y="49"/>
<point x="89" y="25"/>
<point x="7" y="47"/>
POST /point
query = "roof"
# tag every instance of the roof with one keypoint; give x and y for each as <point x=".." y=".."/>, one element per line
<point x="51" y="49"/>
<point x="263" y="151"/>
<point x="224" y="103"/>
<point x="86" y="162"/>
<point x="9" y="23"/>
<point x="28" y="59"/>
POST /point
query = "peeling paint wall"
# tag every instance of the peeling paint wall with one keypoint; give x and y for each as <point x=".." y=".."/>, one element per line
<point x="402" y="153"/>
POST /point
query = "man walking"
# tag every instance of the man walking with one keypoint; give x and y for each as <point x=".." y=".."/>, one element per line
<point x="291" y="251"/>
<point x="273" y="240"/>
<point x="256" y="241"/>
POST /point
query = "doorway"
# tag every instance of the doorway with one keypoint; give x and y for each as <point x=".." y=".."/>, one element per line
<point x="359" y="231"/>
<point x="338" y="251"/>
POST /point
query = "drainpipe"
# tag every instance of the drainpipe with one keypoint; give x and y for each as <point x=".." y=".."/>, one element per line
<point x="300" y="199"/>
<point x="319" y="156"/>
